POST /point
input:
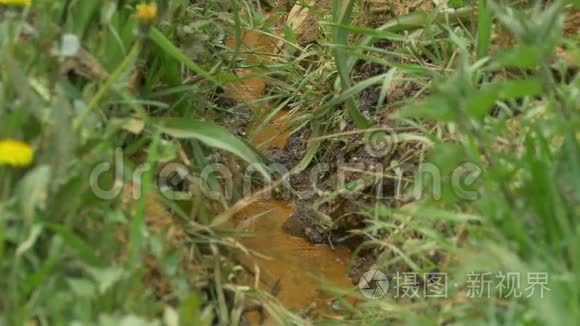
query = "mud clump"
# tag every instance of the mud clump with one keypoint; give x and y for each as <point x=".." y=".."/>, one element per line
<point x="362" y="264"/>
<point x="292" y="152"/>
<point x="237" y="122"/>
<point x="300" y="224"/>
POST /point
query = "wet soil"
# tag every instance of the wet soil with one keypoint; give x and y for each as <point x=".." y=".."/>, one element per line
<point x="282" y="259"/>
<point x="296" y="239"/>
<point x="293" y="265"/>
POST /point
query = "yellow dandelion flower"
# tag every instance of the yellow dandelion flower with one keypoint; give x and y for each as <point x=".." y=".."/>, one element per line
<point x="20" y="3"/>
<point x="15" y="153"/>
<point x="146" y="12"/>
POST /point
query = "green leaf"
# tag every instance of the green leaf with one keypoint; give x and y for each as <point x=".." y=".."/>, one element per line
<point x="213" y="136"/>
<point x="30" y="241"/>
<point x="166" y="45"/>
<point x="35" y="280"/>
<point x="432" y="108"/>
<point x="189" y="310"/>
<point x="311" y="150"/>
<point x="378" y="34"/>
<point x="74" y="242"/>
<point x="525" y="57"/>
<point x="352" y="91"/>
<point x="33" y="190"/>
<point x="484" y="29"/>
<point x="82" y="287"/>
<point x="479" y="104"/>
<point x="386" y="85"/>
<point x="482" y="101"/>
<point x="341" y="14"/>
<point x="519" y="88"/>
<point x="408" y="22"/>
<point x="455" y="3"/>
<point x="106" y="277"/>
<point x="447" y="157"/>
<point x="289" y="34"/>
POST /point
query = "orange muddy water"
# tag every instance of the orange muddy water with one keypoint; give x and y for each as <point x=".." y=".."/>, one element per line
<point x="292" y="268"/>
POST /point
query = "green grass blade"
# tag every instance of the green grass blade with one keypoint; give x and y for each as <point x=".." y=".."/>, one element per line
<point x="341" y="15"/>
<point x="137" y="224"/>
<point x="311" y="150"/>
<point x="409" y="22"/>
<point x="164" y="43"/>
<point x="484" y="27"/>
<point x="352" y="91"/>
<point x="212" y="136"/>
<point x="108" y="84"/>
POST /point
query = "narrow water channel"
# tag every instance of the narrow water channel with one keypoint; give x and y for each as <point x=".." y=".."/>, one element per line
<point x="293" y="265"/>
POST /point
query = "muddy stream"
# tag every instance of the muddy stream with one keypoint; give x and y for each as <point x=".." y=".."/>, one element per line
<point x="294" y="267"/>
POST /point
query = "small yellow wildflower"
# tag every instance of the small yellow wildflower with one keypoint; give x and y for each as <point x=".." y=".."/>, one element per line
<point x="146" y="12"/>
<point x="15" y="153"/>
<point x="21" y="3"/>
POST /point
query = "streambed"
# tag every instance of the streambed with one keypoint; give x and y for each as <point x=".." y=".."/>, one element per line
<point x="292" y="265"/>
